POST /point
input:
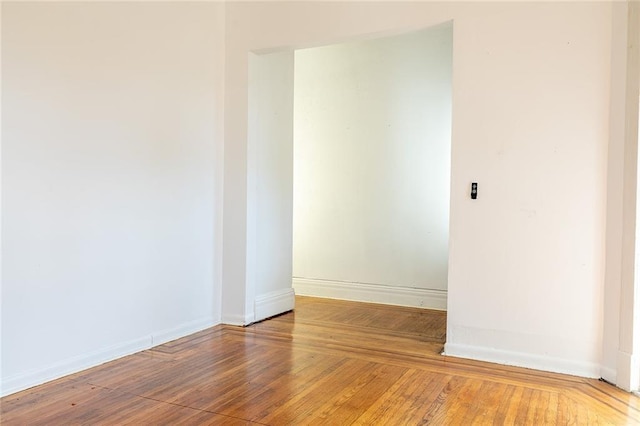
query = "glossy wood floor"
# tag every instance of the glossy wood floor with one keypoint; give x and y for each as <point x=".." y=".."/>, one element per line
<point x="330" y="363"/>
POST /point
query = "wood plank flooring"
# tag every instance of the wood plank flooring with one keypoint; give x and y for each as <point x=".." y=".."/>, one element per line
<point x="330" y="363"/>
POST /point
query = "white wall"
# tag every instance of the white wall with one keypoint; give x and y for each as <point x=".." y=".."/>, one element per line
<point x="110" y="112"/>
<point x="530" y="124"/>
<point x="269" y="182"/>
<point x="615" y="184"/>
<point x="372" y="134"/>
<point x="112" y="125"/>
<point x="621" y="328"/>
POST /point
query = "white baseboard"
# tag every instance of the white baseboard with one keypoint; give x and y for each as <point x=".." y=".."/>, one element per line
<point x="609" y="374"/>
<point x="389" y="295"/>
<point x="181" y="331"/>
<point x="520" y="359"/>
<point x="628" y="371"/>
<point x="82" y="362"/>
<point x="274" y="303"/>
<point x="239" y="320"/>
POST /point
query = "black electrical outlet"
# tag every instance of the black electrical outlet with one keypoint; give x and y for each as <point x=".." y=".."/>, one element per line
<point x="474" y="190"/>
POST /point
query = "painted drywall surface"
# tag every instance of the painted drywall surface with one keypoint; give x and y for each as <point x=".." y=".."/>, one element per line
<point x="530" y="125"/>
<point x="372" y="134"/>
<point x="111" y="118"/>
<point x="270" y="159"/>
<point x="628" y="360"/>
<point x="531" y="247"/>
<point x="615" y="179"/>
<point x="237" y="305"/>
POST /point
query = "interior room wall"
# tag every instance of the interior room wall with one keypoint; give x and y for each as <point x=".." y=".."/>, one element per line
<point x="109" y="213"/>
<point x="111" y="139"/>
<point x="372" y="135"/>
<point x="269" y="215"/>
<point x="621" y="336"/>
<point x="615" y="185"/>
<point x="530" y="125"/>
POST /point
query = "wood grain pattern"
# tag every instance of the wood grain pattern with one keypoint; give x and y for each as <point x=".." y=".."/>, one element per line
<point x="328" y="363"/>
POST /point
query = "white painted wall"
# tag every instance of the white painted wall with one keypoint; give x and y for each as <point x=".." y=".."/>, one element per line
<point x="372" y="134"/>
<point x="530" y="124"/>
<point x="615" y="184"/>
<point x="269" y="182"/>
<point x="621" y="328"/>
<point x="112" y="122"/>
<point x="110" y="112"/>
<point x="527" y="261"/>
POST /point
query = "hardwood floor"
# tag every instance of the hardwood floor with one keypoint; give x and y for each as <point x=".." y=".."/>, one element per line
<point x="329" y="362"/>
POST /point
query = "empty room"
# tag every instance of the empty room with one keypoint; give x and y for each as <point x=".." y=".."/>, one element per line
<point x="319" y="212"/>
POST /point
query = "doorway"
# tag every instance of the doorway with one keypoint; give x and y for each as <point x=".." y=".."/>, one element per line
<point x="371" y="128"/>
<point x="372" y="156"/>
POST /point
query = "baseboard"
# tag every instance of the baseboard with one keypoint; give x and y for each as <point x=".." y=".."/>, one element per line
<point x="274" y="303"/>
<point x="519" y="359"/>
<point x="628" y="371"/>
<point x="181" y="331"/>
<point x="609" y="374"/>
<point x="389" y="295"/>
<point x="239" y="320"/>
<point x="73" y="365"/>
